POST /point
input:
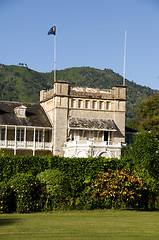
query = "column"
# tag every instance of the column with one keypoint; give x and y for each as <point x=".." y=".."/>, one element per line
<point x="25" y="145"/>
<point x="108" y="138"/>
<point x="44" y="138"/>
<point x="51" y="140"/>
<point x="15" y="140"/>
<point x="6" y="136"/>
<point x="34" y="143"/>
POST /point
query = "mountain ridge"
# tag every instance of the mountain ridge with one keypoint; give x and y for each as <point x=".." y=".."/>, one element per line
<point x="19" y="83"/>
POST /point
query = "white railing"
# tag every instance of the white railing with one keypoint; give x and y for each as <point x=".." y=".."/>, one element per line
<point x="25" y="144"/>
<point x="2" y="143"/>
<point x="89" y="143"/>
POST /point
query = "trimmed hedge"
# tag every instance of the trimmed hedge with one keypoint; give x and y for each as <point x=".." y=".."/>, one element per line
<point x="71" y="167"/>
<point x="78" y="175"/>
<point x="12" y="165"/>
<point x="76" y="170"/>
<point x="26" y="183"/>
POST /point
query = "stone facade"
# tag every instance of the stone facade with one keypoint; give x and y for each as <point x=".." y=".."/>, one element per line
<point x="98" y="116"/>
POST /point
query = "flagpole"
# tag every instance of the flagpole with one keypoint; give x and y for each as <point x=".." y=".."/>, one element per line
<point x="55" y="57"/>
<point x="124" y="60"/>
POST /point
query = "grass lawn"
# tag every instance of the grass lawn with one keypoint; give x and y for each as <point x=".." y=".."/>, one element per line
<point x="81" y="225"/>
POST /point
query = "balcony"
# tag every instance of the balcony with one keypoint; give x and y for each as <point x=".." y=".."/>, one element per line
<point x="90" y="148"/>
<point x="91" y="143"/>
<point x="25" y="145"/>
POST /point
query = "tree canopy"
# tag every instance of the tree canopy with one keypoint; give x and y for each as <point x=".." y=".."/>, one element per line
<point x="148" y="114"/>
<point x="142" y="156"/>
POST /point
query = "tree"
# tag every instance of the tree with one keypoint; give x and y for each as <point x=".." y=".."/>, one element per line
<point x="143" y="157"/>
<point x="148" y="114"/>
<point x="144" y="152"/>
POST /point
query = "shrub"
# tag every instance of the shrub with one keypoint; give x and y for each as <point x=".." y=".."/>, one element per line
<point x="7" y="198"/>
<point x="27" y="191"/>
<point x="118" y="189"/>
<point x="53" y="188"/>
<point x="143" y="157"/>
<point x="77" y="172"/>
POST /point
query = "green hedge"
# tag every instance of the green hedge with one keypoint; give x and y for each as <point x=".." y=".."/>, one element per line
<point x="11" y="165"/>
<point x="78" y="175"/>
<point x="26" y="185"/>
<point x="78" y="169"/>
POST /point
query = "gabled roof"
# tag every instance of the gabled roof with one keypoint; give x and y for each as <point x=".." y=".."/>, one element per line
<point x="93" y="124"/>
<point x="35" y="115"/>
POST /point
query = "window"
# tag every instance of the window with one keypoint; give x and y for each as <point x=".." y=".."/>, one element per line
<point x="87" y="104"/>
<point x="38" y="136"/>
<point x="108" y="105"/>
<point x="105" y="136"/>
<point x="20" y="135"/>
<point x="94" y="105"/>
<point x="73" y="103"/>
<point x="95" y="135"/>
<point x="73" y="136"/>
<point x="101" y="105"/>
<point x="80" y="103"/>
<point x="86" y="135"/>
<point x="81" y="134"/>
<point x="91" y="136"/>
<point x="3" y="134"/>
<point x="20" y="111"/>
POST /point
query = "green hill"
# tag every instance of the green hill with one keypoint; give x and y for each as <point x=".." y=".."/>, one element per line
<point x="22" y="84"/>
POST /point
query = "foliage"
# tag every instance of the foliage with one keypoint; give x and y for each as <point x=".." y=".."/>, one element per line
<point x="12" y="165"/>
<point x="143" y="156"/>
<point x="118" y="189"/>
<point x="27" y="192"/>
<point x="7" y="198"/>
<point x="133" y="123"/>
<point x="36" y="183"/>
<point x="144" y="153"/>
<point x="148" y="113"/>
<point x="78" y="174"/>
<point x="75" y="170"/>
<point x="53" y="188"/>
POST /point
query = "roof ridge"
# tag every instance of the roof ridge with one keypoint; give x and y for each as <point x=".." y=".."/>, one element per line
<point x="19" y="102"/>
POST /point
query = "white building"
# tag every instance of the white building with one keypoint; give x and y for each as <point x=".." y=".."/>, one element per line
<point x="86" y="121"/>
<point x="68" y="121"/>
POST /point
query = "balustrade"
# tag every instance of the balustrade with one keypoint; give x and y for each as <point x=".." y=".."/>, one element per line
<point x="92" y="143"/>
<point x="27" y="144"/>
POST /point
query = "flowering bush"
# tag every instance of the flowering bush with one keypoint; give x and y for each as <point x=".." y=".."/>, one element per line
<point x="118" y="189"/>
<point x="7" y="198"/>
<point x="27" y="190"/>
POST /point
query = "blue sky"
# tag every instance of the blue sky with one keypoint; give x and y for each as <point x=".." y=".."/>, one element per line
<point x="89" y="33"/>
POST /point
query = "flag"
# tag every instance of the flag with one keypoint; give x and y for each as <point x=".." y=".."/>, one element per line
<point x="52" y="30"/>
